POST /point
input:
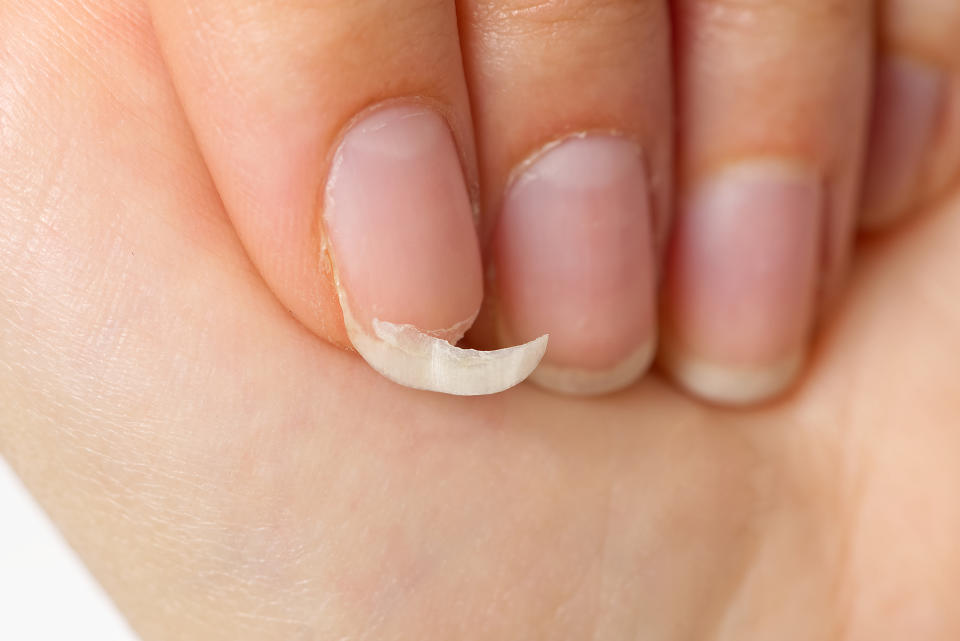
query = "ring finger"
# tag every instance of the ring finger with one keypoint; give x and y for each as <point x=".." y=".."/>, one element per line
<point x="773" y="104"/>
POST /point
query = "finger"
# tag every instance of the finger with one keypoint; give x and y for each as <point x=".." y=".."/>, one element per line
<point x="773" y="114"/>
<point x="572" y="107"/>
<point x="339" y="137"/>
<point x="915" y="138"/>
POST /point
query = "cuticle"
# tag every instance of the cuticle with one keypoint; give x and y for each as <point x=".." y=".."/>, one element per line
<point x="520" y="169"/>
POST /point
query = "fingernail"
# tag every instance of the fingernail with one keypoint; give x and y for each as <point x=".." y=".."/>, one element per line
<point x="944" y="164"/>
<point x="742" y="281"/>
<point x="574" y="258"/>
<point x="401" y="236"/>
<point x="399" y="222"/>
<point x="909" y="97"/>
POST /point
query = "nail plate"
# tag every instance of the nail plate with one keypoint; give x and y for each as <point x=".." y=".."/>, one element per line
<point x="574" y="257"/>
<point x="943" y="168"/>
<point x="742" y="279"/>
<point x="909" y="97"/>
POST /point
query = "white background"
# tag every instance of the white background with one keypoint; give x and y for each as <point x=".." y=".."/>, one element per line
<point x="46" y="594"/>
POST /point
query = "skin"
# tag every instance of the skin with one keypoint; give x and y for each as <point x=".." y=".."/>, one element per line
<point x="702" y="87"/>
<point x="226" y="475"/>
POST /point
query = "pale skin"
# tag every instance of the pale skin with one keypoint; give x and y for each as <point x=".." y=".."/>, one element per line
<point x="226" y="474"/>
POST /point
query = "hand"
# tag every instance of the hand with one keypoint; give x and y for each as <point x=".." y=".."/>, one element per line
<point x="228" y="476"/>
<point x="353" y="137"/>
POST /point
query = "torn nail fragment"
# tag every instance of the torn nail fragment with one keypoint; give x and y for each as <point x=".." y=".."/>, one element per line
<point x="412" y="358"/>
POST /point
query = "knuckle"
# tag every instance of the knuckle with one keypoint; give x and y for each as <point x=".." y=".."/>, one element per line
<point x="553" y="15"/>
<point x="925" y="28"/>
<point x="747" y="14"/>
<point x="779" y="27"/>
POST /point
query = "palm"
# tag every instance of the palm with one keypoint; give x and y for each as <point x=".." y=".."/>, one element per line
<point x="225" y="472"/>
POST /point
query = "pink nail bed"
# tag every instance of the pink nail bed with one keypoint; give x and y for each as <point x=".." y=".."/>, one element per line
<point x="400" y="225"/>
<point x="574" y="258"/>
<point x="742" y="280"/>
<point x="909" y="97"/>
